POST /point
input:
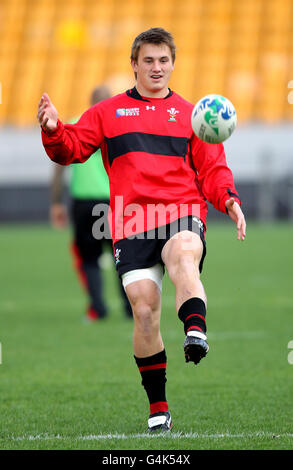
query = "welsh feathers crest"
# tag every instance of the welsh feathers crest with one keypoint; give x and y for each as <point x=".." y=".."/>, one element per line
<point x="172" y="113"/>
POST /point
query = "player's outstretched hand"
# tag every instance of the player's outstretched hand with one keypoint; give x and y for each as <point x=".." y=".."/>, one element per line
<point x="237" y="216"/>
<point x="47" y="113"/>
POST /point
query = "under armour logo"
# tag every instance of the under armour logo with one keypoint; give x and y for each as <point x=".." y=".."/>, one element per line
<point x="153" y="108"/>
<point x="199" y="222"/>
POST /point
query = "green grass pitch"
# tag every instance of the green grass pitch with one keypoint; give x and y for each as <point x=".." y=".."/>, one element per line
<point x="67" y="384"/>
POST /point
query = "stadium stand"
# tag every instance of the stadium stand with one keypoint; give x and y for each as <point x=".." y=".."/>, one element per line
<point x="240" y="49"/>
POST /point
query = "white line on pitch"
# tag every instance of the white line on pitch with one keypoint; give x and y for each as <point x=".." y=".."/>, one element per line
<point x="191" y="435"/>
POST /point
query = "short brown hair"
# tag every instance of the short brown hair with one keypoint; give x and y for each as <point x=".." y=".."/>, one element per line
<point x="153" y="36"/>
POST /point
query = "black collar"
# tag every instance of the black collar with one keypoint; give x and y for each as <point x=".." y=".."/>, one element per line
<point x="133" y="93"/>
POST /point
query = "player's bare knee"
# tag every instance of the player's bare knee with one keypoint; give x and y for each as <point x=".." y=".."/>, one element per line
<point x="184" y="267"/>
<point x="145" y="318"/>
<point x="182" y="252"/>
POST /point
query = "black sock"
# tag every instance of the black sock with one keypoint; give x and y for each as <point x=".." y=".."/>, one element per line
<point x="153" y="374"/>
<point x="192" y="313"/>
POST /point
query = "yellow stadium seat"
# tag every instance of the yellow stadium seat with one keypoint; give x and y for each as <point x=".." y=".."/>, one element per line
<point x="241" y="49"/>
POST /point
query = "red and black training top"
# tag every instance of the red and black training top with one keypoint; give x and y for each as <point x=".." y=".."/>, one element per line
<point x="151" y="156"/>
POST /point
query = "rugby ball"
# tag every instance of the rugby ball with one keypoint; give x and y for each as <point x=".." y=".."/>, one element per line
<point x="213" y="119"/>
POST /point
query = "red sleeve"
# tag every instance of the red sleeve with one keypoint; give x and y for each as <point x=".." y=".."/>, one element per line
<point x="215" y="178"/>
<point x="74" y="143"/>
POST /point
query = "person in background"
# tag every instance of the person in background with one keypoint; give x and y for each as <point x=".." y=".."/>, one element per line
<point x="88" y="187"/>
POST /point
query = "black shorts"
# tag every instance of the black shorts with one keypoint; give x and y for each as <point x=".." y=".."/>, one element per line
<point x="144" y="250"/>
<point x="82" y="219"/>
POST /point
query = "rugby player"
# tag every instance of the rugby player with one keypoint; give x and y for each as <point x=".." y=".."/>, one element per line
<point x="161" y="177"/>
